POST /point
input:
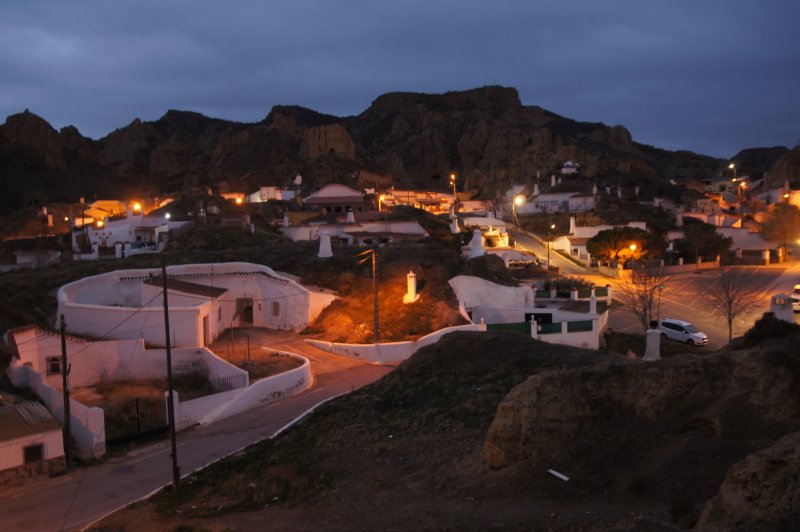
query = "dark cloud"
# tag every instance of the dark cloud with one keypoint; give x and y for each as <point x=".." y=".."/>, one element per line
<point x="714" y="76"/>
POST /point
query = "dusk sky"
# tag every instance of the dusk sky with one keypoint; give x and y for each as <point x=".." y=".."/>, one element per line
<point x="711" y="76"/>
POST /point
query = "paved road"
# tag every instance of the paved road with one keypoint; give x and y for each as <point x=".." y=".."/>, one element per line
<point x="526" y="242"/>
<point x="686" y="297"/>
<point x="86" y="494"/>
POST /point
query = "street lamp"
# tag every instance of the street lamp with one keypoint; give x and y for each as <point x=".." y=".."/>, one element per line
<point x="739" y="195"/>
<point x="455" y="196"/>
<point x="519" y="199"/>
<point x="367" y="255"/>
<point x="550" y="229"/>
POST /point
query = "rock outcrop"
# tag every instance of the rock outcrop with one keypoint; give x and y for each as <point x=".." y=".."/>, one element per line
<point x="762" y="489"/>
<point x="330" y="139"/>
<point x="671" y="429"/>
<point x="787" y="168"/>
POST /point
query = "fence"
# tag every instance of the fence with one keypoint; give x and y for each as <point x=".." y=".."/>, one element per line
<point x="523" y="327"/>
<point x="579" y="326"/>
<point x="548" y="328"/>
<point x="134" y="419"/>
<point x="212" y="386"/>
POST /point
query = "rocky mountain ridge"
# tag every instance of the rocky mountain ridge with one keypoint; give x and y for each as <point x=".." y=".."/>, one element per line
<point x="486" y="135"/>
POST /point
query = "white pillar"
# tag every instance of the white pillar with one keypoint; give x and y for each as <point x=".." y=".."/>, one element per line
<point x="680" y="261"/>
<point x="411" y="295"/>
<point x="286" y="219"/>
<point x="572" y="225"/>
<point x="118" y="250"/>
<point x="325" y="245"/>
<point x="553" y="180"/>
<point x="652" y="349"/>
<point x="593" y="303"/>
<point x="536" y="189"/>
<point x="350" y="218"/>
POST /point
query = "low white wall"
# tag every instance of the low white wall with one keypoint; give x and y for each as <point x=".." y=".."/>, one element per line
<point x="391" y="352"/>
<point x="87" y="425"/>
<point x="217" y="368"/>
<point x="218" y="406"/>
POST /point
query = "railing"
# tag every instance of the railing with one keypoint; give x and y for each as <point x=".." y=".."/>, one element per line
<point x="579" y="326"/>
<point x="212" y="386"/>
<point x="585" y="293"/>
<point x="601" y="292"/>
<point x="523" y="327"/>
<point x="549" y="328"/>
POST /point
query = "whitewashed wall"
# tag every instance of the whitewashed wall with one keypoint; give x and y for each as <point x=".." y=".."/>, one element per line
<point x="107" y="306"/>
<point x="212" y="408"/>
<point x="390" y="352"/>
<point x="87" y="425"/>
<point x="11" y="451"/>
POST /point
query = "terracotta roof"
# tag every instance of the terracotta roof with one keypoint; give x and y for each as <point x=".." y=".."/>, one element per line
<point x="25" y="419"/>
<point x="187" y="287"/>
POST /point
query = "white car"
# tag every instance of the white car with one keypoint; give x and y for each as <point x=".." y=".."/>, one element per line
<point x="682" y="331"/>
<point x="796" y="298"/>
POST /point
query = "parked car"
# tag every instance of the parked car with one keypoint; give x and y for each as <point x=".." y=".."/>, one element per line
<point x="796" y="298"/>
<point x="682" y="331"/>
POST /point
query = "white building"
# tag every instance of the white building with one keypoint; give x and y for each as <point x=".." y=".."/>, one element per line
<point x="30" y="443"/>
<point x="570" y="168"/>
<point x="133" y="233"/>
<point x="204" y="299"/>
<point x="558" y="202"/>
<point x="264" y="194"/>
<point x="574" y="320"/>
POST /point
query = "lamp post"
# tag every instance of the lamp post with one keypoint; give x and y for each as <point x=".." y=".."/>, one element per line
<point x="373" y="254"/>
<point x="455" y="196"/>
<point x="739" y="197"/>
<point x="658" y="311"/>
<point x="519" y="199"/>
<point x="549" y="230"/>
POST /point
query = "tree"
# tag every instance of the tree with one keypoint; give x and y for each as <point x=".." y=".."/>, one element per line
<point x="731" y="296"/>
<point x="781" y="225"/>
<point x="701" y="240"/>
<point x="615" y="244"/>
<point x="640" y="292"/>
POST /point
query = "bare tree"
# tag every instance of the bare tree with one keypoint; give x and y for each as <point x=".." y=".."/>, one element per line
<point x="641" y="291"/>
<point x="731" y="296"/>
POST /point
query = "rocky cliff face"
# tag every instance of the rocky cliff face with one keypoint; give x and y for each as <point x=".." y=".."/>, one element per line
<point x="484" y="135"/>
<point x="787" y="168"/>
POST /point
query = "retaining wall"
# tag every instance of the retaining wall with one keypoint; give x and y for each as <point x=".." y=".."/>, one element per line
<point x="390" y="352"/>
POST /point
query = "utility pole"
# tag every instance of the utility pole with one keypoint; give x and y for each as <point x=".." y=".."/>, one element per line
<point x="176" y="476"/>
<point x="376" y="324"/>
<point x="65" y="388"/>
<point x="373" y="254"/>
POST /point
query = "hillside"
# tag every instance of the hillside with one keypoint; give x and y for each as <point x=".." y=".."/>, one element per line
<point x="485" y="135"/>
<point x="646" y="446"/>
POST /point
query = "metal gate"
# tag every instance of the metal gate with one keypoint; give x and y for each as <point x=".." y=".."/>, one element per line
<point x="133" y="419"/>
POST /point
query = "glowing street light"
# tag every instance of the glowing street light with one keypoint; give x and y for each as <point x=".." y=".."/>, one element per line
<point x="549" y="231"/>
<point x="137" y="206"/>
<point x="455" y="195"/>
<point x="238" y="201"/>
<point x="633" y="247"/>
<point x="167" y="216"/>
<point x="519" y="200"/>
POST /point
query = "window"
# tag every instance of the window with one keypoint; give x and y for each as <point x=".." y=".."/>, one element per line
<point x="33" y="453"/>
<point x="53" y="365"/>
<point x="276" y="308"/>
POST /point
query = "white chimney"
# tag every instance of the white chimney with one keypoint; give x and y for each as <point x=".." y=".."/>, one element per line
<point x="350" y="218"/>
